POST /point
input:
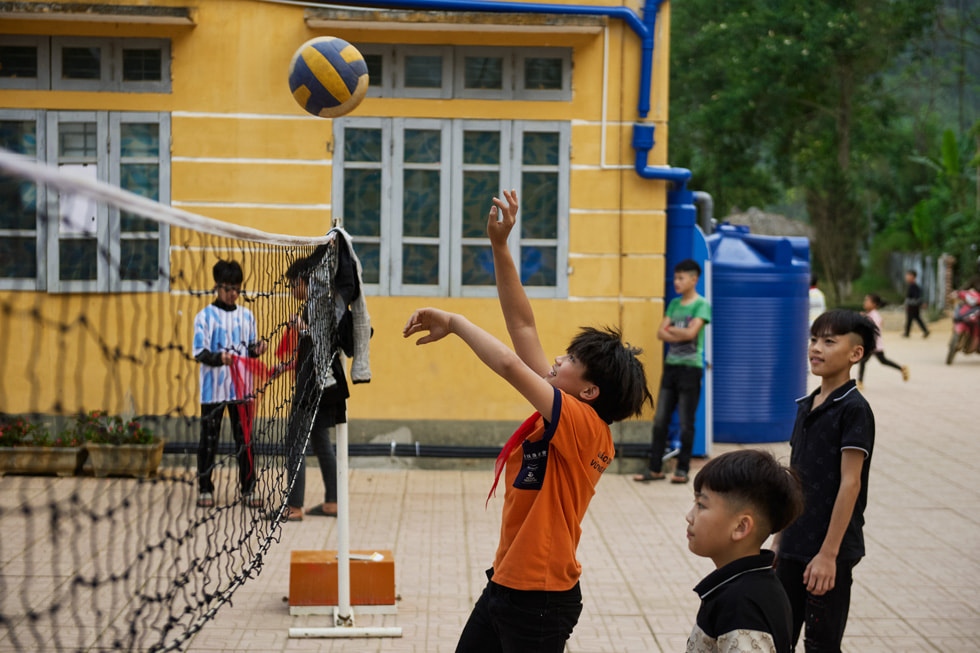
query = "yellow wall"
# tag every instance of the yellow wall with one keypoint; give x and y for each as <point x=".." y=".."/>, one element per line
<point x="232" y="114"/>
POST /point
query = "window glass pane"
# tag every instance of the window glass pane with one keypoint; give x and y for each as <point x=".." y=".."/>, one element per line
<point x="139" y="259"/>
<point x="370" y="257"/>
<point x="77" y="259"/>
<point x="538" y="265"/>
<point x="144" y="180"/>
<point x="363" y="145"/>
<point x="18" y="258"/>
<point x="18" y="61"/>
<point x="81" y="63"/>
<point x="423" y="71"/>
<point x="18" y="204"/>
<point x="362" y="202"/>
<point x="420" y="264"/>
<point x="477" y="266"/>
<point x="481" y="147"/>
<point x="540" y="205"/>
<point x="478" y="188"/>
<point x="541" y="74"/>
<point x="142" y="65"/>
<point x="420" y="203"/>
<point x="77" y="140"/>
<point x="375" y="66"/>
<point x="540" y="149"/>
<point x="483" y="72"/>
<point x="139" y="139"/>
<point x="423" y="145"/>
<point x="19" y="136"/>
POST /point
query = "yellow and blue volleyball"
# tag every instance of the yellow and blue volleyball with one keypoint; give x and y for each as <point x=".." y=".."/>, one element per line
<point x="328" y="77"/>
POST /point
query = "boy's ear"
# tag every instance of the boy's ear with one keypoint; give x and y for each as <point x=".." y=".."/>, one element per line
<point x="744" y="527"/>
<point x="856" y="354"/>
<point x="590" y="393"/>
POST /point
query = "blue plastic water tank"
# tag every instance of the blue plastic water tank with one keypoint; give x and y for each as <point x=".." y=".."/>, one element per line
<point x="760" y="305"/>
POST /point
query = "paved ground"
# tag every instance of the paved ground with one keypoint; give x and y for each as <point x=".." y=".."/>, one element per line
<point x="917" y="590"/>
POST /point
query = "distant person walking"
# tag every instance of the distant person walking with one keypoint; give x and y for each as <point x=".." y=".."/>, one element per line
<point x="872" y="302"/>
<point x="913" y="304"/>
<point x="818" y="303"/>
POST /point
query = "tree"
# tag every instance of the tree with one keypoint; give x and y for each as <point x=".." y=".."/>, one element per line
<point x="777" y="94"/>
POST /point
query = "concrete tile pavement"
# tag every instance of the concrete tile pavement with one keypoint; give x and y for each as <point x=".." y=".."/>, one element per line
<point x="917" y="590"/>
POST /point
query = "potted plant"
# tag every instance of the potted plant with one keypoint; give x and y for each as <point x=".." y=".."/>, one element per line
<point x="119" y="447"/>
<point x="26" y="447"/>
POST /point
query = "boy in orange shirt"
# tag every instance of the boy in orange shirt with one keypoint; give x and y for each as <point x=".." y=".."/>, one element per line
<point x="552" y="462"/>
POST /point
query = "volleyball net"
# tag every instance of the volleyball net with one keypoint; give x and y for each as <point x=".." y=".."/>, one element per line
<point x="98" y="360"/>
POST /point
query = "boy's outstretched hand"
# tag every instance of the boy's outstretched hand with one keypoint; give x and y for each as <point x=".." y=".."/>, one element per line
<point x="433" y="320"/>
<point x="498" y="230"/>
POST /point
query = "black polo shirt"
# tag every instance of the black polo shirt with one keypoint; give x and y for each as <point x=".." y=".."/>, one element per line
<point x="843" y="421"/>
<point x="743" y="607"/>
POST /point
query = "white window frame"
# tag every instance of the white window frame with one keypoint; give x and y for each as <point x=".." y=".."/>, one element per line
<point x="107" y="233"/>
<point x="444" y="92"/>
<point x="506" y="92"/>
<point x="511" y="172"/>
<point x="142" y="86"/>
<point x="39" y="232"/>
<point x="43" y="80"/>
<point x="563" y="94"/>
<point x="385" y="86"/>
<point x="383" y="240"/>
<point x="104" y="83"/>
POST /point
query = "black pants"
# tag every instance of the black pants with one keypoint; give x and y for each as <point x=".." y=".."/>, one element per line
<point x="211" y="416"/>
<point x="680" y="388"/>
<point x="299" y="425"/>
<point x="912" y="313"/>
<point x="880" y="355"/>
<point x="513" y="621"/>
<point x="825" y="616"/>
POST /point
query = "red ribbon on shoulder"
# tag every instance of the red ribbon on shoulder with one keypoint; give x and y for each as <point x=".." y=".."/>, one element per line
<point x="519" y="436"/>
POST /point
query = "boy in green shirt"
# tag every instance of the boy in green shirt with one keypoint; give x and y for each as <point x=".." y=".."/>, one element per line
<point x="680" y="384"/>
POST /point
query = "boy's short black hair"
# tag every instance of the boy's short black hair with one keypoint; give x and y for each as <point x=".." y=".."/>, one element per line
<point x="813" y="280"/>
<point x="913" y="273"/>
<point x="229" y="272"/>
<point x="839" y="322"/>
<point x="298" y="268"/>
<point x="755" y="478"/>
<point x="614" y="367"/>
<point x="688" y="265"/>
<point x="876" y="299"/>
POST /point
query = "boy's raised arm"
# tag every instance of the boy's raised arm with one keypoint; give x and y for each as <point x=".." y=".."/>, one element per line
<point x="513" y="300"/>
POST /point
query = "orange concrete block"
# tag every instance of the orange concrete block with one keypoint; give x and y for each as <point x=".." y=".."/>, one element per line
<point x="313" y="579"/>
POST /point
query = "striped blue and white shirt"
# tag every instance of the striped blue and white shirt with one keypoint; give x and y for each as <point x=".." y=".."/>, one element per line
<point x="218" y="331"/>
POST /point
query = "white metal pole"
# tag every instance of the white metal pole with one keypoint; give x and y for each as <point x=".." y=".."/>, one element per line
<point x="343" y="528"/>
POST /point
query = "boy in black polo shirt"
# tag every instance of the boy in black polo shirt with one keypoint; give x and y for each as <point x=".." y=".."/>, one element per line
<point x="832" y="441"/>
<point x="740" y="498"/>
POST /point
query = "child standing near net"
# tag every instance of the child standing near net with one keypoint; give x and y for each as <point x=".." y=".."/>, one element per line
<point x="740" y="498"/>
<point x="551" y="464"/>
<point x="872" y="302"/>
<point x="223" y="334"/>
<point x="832" y="443"/>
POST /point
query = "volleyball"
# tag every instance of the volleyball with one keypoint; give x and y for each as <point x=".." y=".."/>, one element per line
<point x="328" y="77"/>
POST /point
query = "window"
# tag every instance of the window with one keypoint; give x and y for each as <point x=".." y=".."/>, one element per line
<point x="65" y="243"/>
<point x="494" y="73"/>
<point x="415" y="193"/>
<point x="74" y="63"/>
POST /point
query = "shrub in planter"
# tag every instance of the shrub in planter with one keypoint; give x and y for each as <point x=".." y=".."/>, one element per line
<point x="118" y="447"/>
<point x="26" y="447"/>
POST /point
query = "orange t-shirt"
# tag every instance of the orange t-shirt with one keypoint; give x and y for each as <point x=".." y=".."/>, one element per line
<point x="540" y="528"/>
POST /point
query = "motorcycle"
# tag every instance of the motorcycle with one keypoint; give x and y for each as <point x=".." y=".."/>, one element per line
<point x="966" y="324"/>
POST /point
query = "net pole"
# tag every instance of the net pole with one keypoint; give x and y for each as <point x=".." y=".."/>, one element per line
<point x="343" y="529"/>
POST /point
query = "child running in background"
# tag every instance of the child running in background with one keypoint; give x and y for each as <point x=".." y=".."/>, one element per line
<point x="872" y="302"/>
<point x="551" y="464"/>
<point x="740" y="498"/>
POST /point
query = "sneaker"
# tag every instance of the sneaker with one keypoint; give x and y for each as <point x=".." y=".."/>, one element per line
<point x="205" y="500"/>
<point x="680" y="476"/>
<point x="925" y="335"/>
<point x="649" y="475"/>
<point x="905" y="372"/>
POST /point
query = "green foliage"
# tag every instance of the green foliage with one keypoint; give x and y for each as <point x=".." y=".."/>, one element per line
<point x="101" y="428"/>
<point x="24" y="432"/>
